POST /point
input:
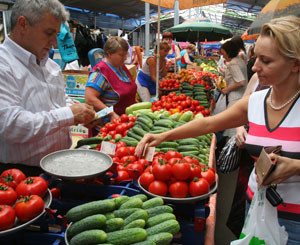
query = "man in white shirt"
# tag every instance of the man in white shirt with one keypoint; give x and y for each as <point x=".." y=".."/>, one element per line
<point x="34" y="109"/>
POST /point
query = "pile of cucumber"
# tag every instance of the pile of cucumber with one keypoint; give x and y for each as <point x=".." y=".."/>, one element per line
<point x="121" y="221"/>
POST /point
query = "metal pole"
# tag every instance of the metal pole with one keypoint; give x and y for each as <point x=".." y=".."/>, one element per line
<point x="147" y="29"/>
<point x="176" y="12"/>
<point x="158" y="50"/>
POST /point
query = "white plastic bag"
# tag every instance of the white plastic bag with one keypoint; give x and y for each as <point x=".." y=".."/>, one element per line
<point x="261" y="225"/>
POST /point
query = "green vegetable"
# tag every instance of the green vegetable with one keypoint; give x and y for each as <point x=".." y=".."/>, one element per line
<point x="139" y="131"/>
<point x="145" y="243"/>
<point x="114" y="224"/>
<point x="91" y="208"/>
<point x="120" y="200"/>
<point x="139" y="214"/>
<point x="129" y="141"/>
<point x="166" y="144"/>
<point x="189" y="152"/>
<point x="126" y="237"/>
<point x="89" y="141"/>
<point x="146" y="121"/>
<point x="138" y="106"/>
<point x="162" y="238"/>
<point x="118" y="137"/>
<point x="159" y="210"/>
<point x="153" y="202"/>
<point x="132" y="203"/>
<point x="166" y="149"/>
<point x="187" y="116"/>
<point x="188" y="141"/>
<point x="171" y="226"/>
<point x="109" y="215"/>
<point x="136" y="223"/>
<point x="91" y="222"/>
<point x="143" y="197"/>
<point x="142" y="125"/>
<point x="89" y="237"/>
<point x="175" y="116"/>
<point x="130" y="133"/>
<point x="141" y="111"/>
<point x="199" y="115"/>
<point x="159" y="219"/>
<point x="107" y="138"/>
<point x="124" y="213"/>
<point x="187" y="148"/>
<point x="164" y="123"/>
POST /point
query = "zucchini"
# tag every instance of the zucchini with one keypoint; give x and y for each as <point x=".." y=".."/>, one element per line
<point x="143" y="197"/>
<point x="126" y="237"/>
<point x="140" y="223"/>
<point x="89" y="141"/>
<point x="91" y="222"/>
<point x="159" y="210"/>
<point x="187" y="116"/>
<point x="124" y="213"/>
<point x="153" y="202"/>
<point x="187" y="148"/>
<point x="139" y="131"/>
<point x="171" y="226"/>
<point x="130" y="133"/>
<point x="114" y="224"/>
<point x="139" y="214"/>
<point x="157" y="219"/>
<point x="89" y="237"/>
<point x="120" y="200"/>
<point x="166" y="144"/>
<point x="137" y="106"/>
<point x="162" y="238"/>
<point x="91" y="208"/>
<point x="132" y="203"/>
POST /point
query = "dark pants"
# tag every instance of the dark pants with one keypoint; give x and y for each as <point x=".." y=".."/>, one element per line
<point x="27" y="170"/>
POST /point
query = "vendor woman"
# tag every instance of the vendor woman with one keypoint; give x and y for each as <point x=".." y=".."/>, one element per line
<point x="174" y="52"/>
<point x="110" y="83"/>
<point x="185" y="58"/>
<point x="146" y="79"/>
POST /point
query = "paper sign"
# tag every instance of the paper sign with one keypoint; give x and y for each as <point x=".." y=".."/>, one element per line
<point x="108" y="148"/>
<point x="149" y="154"/>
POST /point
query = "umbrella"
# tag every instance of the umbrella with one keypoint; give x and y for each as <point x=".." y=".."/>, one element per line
<point x="200" y="31"/>
<point x="274" y="9"/>
<point x="184" y="4"/>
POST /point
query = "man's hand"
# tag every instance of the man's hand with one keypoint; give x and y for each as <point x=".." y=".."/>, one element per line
<point x="83" y="113"/>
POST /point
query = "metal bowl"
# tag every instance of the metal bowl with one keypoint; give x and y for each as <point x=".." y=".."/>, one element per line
<point x="19" y="226"/>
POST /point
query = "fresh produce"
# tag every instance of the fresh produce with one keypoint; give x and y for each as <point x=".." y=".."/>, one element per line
<point x="28" y="207"/>
<point x="169" y="84"/>
<point x="114" y="224"/>
<point x="161" y="238"/>
<point x="138" y="106"/>
<point x="7" y="217"/>
<point x="89" y="237"/>
<point x="128" y="236"/>
<point x="12" y="177"/>
<point x="7" y="195"/>
<point x="32" y="186"/>
<point x="171" y="226"/>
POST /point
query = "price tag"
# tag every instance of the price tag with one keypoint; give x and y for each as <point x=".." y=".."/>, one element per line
<point x="149" y="153"/>
<point x="108" y="148"/>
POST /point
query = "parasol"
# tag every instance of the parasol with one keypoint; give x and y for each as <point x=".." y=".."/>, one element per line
<point x="274" y="9"/>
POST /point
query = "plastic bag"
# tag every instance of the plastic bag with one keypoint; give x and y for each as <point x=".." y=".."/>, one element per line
<point x="230" y="156"/>
<point x="261" y="225"/>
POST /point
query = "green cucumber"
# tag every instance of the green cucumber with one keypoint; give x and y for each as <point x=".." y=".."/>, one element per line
<point x="91" y="208"/>
<point x="184" y="154"/>
<point x="89" y="237"/>
<point x="142" y="125"/>
<point x="126" y="237"/>
<point x="120" y="200"/>
<point x="107" y="138"/>
<point x="143" y="197"/>
<point x="145" y="121"/>
<point x="130" y="133"/>
<point x="124" y="213"/>
<point x="109" y="215"/>
<point x="145" y="243"/>
<point x="147" y="117"/>
<point x="157" y="219"/>
<point x="91" y="222"/>
<point x="129" y="141"/>
<point x="114" y="224"/>
<point x="162" y="238"/>
<point x="89" y="141"/>
<point x="166" y="144"/>
<point x="188" y="141"/>
<point x="166" y="149"/>
<point x="140" y="223"/>
<point x="187" y="148"/>
<point x="159" y="128"/>
<point x="171" y="226"/>
<point x="190" y="152"/>
<point x="158" y="131"/>
<point x="164" y="123"/>
<point x="132" y="203"/>
<point x="139" y="131"/>
<point x="153" y="202"/>
<point x="159" y="210"/>
<point x="139" y="214"/>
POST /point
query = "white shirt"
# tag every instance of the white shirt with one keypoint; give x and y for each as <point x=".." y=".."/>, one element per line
<point x="35" y="118"/>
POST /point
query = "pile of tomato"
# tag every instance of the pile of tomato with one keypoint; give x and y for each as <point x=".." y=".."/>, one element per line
<point x="177" y="176"/>
<point x="25" y="194"/>
<point x="180" y="103"/>
<point x="169" y="84"/>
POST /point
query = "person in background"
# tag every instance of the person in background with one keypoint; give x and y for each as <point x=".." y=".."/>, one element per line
<point x="34" y="109"/>
<point x="185" y="59"/>
<point x="242" y="51"/>
<point x="174" y="53"/>
<point x="272" y="114"/>
<point x="110" y="83"/>
<point x="250" y="62"/>
<point x="146" y="79"/>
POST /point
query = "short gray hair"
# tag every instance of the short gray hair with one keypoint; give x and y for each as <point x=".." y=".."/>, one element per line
<point x="34" y="10"/>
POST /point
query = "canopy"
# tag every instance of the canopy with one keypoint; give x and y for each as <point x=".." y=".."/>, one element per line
<point x="200" y="31"/>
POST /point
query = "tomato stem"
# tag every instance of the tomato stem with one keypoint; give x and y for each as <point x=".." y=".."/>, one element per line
<point x="29" y="181"/>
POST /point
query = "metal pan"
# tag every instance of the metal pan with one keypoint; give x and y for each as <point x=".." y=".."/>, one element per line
<point x="76" y="164"/>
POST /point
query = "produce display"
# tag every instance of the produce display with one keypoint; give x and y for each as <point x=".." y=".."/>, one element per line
<point x="20" y="198"/>
<point x="122" y="220"/>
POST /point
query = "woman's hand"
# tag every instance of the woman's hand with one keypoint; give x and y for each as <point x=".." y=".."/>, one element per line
<point x="148" y="140"/>
<point x="285" y="168"/>
<point x="225" y="91"/>
<point x="240" y="137"/>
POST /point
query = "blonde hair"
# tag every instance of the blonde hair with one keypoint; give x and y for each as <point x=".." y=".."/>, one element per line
<point x="285" y="32"/>
<point x="113" y="44"/>
<point x="191" y="47"/>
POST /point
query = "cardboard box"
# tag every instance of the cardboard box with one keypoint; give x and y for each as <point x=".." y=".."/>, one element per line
<point x="75" y="81"/>
<point x="133" y="71"/>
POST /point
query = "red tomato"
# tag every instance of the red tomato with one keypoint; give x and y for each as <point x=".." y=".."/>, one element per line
<point x="121" y="152"/>
<point x="143" y="162"/>
<point x="28" y="207"/>
<point x="56" y="193"/>
<point x="137" y="168"/>
<point x="112" y="133"/>
<point x="158" y="160"/>
<point x="116" y="159"/>
<point x="128" y="159"/>
<point x="195" y="103"/>
<point x="131" y="150"/>
<point x="104" y="130"/>
<point x="121" y="128"/>
<point x="110" y="126"/>
<point x="130" y="125"/>
<point x="195" y="171"/>
<point x="12" y="177"/>
<point x="158" y="187"/>
<point x="188" y="159"/>
<point x="172" y="154"/>
<point x="146" y="179"/>
<point x="132" y="119"/>
<point x="195" y="161"/>
<point x="181" y="170"/>
<point x="179" y="189"/>
<point x="209" y="175"/>
<point x="198" y="187"/>
<point x="122" y="176"/>
<point x="124" y="118"/>
<point x="162" y="171"/>
<point x="174" y="160"/>
<point x="8" y="195"/>
<point x="120" y="144"/>
<point x="32" y="186"/>
<point x="7" y="217"/>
